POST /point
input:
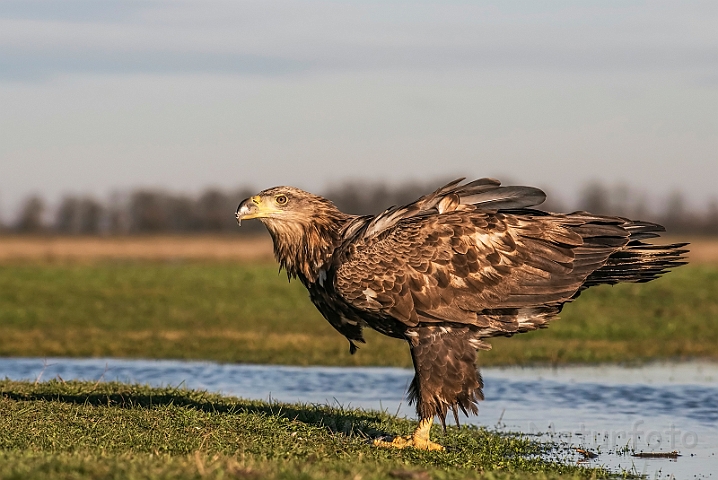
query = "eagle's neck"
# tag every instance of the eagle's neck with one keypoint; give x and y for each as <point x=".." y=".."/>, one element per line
<point x="305" y="248"/>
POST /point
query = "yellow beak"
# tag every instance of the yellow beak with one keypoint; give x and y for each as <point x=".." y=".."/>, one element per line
<point x="252" y="207"/>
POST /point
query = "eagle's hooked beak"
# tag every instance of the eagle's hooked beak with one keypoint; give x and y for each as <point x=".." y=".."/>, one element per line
<point x="250" y="208"/>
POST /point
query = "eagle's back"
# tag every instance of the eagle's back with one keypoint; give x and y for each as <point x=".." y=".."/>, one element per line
<point x="500" y="271"/>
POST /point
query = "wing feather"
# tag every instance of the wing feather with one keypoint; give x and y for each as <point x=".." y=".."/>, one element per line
<point x="505" y="198"/>
<point x="482" y="194"/>
<point x="500" y="271"/>
<point x="456" y="266"/>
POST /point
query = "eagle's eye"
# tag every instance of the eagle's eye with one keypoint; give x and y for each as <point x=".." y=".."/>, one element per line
<point x="281" y="199"/>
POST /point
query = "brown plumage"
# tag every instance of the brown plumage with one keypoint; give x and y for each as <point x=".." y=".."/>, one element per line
<point x="457" y="266"/>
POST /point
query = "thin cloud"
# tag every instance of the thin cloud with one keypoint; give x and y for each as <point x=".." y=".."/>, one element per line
<point x="44" y="65"/>
<point x="46" y="38"/>
<point x="73" y="10"/>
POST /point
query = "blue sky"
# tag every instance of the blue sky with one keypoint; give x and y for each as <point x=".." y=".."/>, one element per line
<point x="103" y="96"/>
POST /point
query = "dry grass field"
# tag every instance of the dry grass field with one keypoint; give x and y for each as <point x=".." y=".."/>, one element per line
<point x="704" y="250"/>
<point x="160" y="247"/>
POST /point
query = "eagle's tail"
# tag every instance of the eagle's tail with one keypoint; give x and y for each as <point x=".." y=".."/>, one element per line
<point x="638" y="261"/>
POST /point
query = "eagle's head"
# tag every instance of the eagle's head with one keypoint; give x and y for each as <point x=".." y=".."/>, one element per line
<point x="284" y="205"/>
<point x="305" y="227"/>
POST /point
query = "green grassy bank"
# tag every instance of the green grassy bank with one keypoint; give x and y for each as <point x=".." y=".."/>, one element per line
<point x="235" y="312"/>
<point x="80" y="430"/>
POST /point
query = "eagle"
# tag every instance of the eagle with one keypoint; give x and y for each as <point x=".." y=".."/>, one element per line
<point x="460" y="265"/>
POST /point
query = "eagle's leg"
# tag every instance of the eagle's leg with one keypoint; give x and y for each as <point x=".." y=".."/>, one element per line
<point x="419" y="439"/>
<point x="445" y="379"/>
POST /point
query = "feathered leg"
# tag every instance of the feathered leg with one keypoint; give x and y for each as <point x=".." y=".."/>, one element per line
<point x="446" y="379"/>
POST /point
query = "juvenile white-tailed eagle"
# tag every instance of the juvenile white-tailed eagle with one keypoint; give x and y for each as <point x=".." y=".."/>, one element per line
<point x="457" y="266"/>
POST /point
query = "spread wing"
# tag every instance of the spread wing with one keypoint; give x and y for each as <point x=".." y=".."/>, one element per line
<point x="451" y="257"/>
<point x="485" y="193"/>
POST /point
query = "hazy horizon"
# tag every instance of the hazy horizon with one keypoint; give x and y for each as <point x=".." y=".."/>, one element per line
<point x="109" y="96"/>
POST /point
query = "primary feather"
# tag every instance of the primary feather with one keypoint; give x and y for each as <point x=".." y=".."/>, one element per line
<point x="459" y="265"/>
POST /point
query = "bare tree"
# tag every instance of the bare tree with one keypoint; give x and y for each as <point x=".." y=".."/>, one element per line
<point x="67" y="217"/>
<point x="30" y="219"/>
<point x="620" y="200"/>
<point x="595" y="199"/>
<point x="213" y="211"/>
<point x="2" y="220"/>
<point x="147" y="212"/>
<point x="90" y="216"/>
<point x="181" y="214"/>
<point x="675" y="217"/>
<point x="710" y="226"/>
<point x="118" y="215"/>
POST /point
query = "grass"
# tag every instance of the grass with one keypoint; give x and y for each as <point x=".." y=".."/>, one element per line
<point x="246" y="312"/>
<point x="110" y="430"/>
<point x="238" y="312"/>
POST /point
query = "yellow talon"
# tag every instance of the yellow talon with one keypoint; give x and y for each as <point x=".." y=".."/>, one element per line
<point x="419" y="439"/>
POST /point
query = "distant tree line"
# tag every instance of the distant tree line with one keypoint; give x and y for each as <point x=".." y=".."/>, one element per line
<point x="147" y="211"/>
<point x="672" y="211"/>
<point x="142" y="211"/>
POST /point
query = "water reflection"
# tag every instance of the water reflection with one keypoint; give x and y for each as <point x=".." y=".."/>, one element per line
<point x="606" y="409"/>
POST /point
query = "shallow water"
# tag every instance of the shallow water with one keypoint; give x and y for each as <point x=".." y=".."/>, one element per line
<point x="604" y="409"/>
